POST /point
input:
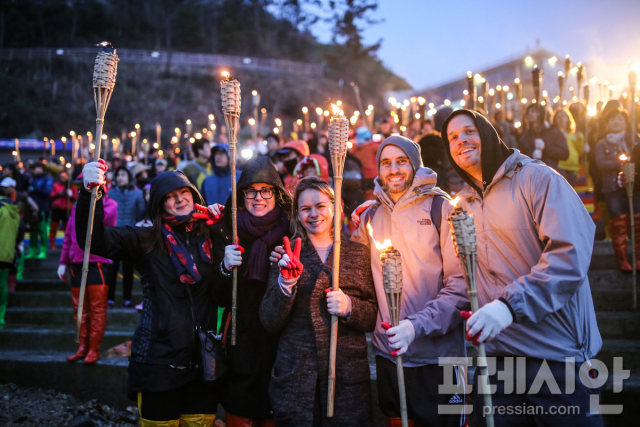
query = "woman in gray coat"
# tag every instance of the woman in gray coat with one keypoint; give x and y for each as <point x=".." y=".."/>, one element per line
<point x="299" y="303"/>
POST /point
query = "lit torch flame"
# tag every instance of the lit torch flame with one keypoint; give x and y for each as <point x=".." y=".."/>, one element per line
<point x="337" y="112"/>
<point x="623" y="157"/>
<point x="226" y="75"/>
<point x="455" y="201"/>
<point x="382" y="247"/>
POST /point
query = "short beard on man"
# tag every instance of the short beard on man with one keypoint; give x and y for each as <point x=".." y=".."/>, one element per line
<point x="407" y="183"/>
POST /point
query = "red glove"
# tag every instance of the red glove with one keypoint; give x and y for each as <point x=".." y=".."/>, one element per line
<point x="386" y="326"/>
<point x="474" y="339"/>
<point x="206" y="213"/>
<point x="290" y="265"/>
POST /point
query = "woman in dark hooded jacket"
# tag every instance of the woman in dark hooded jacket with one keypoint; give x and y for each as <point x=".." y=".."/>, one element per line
<point x="263" y="221"/>
<point x="174" y="260"/>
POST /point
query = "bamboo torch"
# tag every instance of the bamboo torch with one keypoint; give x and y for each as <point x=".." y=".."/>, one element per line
<point x="104" y="79"/>
<point x="629" y="171"/>
<point x="463" y="235"/>
<point x="561" y="86"/>
<point x="391" y="261"/>
<point x="471" y="87"/>
<point x="16" y="143"/>
<point x="338" y="137"/>
<point x="231" y="106"/>
<point x="537" y="83"/>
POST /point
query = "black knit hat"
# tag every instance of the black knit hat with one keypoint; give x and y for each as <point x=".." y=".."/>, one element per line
<point x="165" y="183"/>
<point x="411" y="149"/>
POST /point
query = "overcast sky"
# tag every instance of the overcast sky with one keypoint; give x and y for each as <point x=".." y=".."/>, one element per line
<point x="432" y="42"/>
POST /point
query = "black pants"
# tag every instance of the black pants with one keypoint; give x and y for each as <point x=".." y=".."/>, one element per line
<point x="99" y="274"/>
<point x="421" y="385"/>
<point x="193" y="398"/>
<point x="127" y="279"/>
<point x="543" y="408"/>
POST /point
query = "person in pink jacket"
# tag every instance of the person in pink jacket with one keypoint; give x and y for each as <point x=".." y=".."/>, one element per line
<point x="94" y="316"/>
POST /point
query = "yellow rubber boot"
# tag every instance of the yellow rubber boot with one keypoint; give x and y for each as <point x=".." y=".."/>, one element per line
<point x="149" y="423"/>
<point x="197" y="420"/>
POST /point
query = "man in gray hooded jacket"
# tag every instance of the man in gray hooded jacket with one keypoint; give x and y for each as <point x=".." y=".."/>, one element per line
<point x="433" y="288"/>
<point x="535" y="240"/>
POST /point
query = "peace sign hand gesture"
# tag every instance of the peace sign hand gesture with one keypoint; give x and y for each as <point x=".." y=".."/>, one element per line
<point x="290" y="265"/>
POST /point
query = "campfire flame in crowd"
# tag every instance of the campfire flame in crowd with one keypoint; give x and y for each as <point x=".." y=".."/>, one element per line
<point x="382" y="247"/>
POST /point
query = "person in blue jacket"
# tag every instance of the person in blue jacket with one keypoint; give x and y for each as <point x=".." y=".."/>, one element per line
<point x="216" y="188"/>
<point x="40" y="188"/>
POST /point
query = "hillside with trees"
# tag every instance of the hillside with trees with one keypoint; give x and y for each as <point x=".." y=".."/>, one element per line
<point x="49" y="97"/>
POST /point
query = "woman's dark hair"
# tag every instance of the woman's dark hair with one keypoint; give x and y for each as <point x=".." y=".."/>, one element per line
<point x="154" y="239"/>
<point x="614" y="112"/>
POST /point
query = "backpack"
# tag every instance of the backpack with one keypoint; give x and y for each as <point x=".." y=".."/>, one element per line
<point x="436" y="212"/>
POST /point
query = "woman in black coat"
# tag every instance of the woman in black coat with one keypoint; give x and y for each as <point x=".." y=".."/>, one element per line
<point x="296" y="307"/>
<point x="263" y="220"/>
<point x="174" y="260"/>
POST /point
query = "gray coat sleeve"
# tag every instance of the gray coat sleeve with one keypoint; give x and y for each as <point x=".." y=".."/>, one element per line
<point x="276" y="306"/>
<point x="565" y="231"/>
<point x="442" y="314"/>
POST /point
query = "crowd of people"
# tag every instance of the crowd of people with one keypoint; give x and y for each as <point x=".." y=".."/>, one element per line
<point x="169" y="219"/>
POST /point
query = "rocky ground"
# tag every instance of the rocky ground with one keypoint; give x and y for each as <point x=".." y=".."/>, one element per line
<point x="35" y="407"/>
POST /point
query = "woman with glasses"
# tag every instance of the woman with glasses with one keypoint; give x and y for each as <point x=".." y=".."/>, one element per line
<point x="263" y="221"/>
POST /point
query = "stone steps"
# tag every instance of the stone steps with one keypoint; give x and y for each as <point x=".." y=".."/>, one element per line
<point x="105" y="380"/>
<point x="619" y="324"/>
<point x="18" y="338"/>
<point x="48" y="316"/>
<point x="52" y="298"/>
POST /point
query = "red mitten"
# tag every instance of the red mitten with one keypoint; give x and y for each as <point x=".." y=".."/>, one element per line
<point x="474" y="339"/>
<point x="290" y="265"/>
<point x="206" y="213"/>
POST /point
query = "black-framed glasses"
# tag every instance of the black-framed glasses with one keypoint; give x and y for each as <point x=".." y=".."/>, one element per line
<point x="266" y="193"/>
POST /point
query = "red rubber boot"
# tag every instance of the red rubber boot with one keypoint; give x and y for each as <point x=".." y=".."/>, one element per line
<point x="83" y="348"/>
<point x="98" y="304"/>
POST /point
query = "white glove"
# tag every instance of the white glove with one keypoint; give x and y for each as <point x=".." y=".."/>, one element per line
<point x="216" y="209"/>
<point x="69" y="193"/>
<point x="401" y="337"/>
<point x="21" y="248"/>
<point x="537" y="154"/>
<point x="62" y="270"/>
<point x="232" y="256"/>
<point x="587" y="148"/>
<point x="491" y="319"/>
<point x="93" y="174"/>
<point x="338" y="303"/>
<point x="539" y="143"/>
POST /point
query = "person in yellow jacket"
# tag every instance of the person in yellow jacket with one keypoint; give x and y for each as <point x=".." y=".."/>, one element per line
<point x="563" y="120"/>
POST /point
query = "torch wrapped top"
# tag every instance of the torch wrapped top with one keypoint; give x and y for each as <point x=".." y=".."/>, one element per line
<point x="391" y="270"/>
<point x="338" y="138"/>
<point x="231" y="100"/>
<point x="105" y="68"/>
<point x="537" y="82"/>
<point x="463" y="232"/>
